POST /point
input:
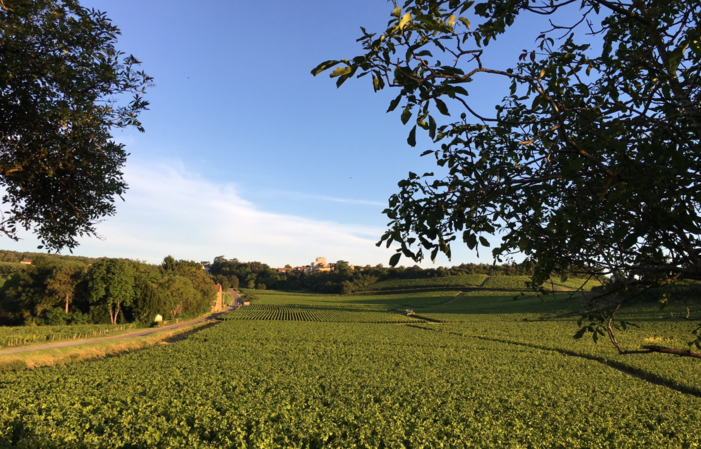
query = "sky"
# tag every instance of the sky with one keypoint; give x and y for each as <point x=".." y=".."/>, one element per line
<point x="249" y="156"/>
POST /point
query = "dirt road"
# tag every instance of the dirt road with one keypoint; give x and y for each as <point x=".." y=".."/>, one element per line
<point x="141" y="333"/>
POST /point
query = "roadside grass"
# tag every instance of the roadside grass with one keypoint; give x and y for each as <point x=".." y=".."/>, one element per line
<point x="20" y="336"/>
<point x="91" y="351"/>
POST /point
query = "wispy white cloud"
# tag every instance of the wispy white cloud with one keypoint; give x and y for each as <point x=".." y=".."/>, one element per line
<point x="170" y="210"/>
<point x="307" y="196"/>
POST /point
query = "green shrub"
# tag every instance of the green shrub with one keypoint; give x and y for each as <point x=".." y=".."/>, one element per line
<point x="55" y="317"/>
<point x="17" y="365"/>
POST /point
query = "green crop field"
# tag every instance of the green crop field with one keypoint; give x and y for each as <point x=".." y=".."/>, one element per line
<point x="305" y="370"/>
<point x="472" y="280"/>
<point x="519" y="283"/>
<point x="329" y="315"/>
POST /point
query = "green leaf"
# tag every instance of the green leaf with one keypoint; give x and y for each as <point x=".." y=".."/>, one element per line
<point x="442" y="108"/>
<point x="340" y="72"/>
<point x="675" y="58"/>
<point x="471" y="241"/>
<point x="523" y="244"/>
<point x="484" y="242"/>
<point x="411" y="140"/>
<point x="324" y="66"/>
<point x="406" y="115"/>
<point x="394" y="260"/>
<point x="563" y="278"/>
<point x="377" y="83"/>
<point x="405" y="19"/>
<point x="394" y="103"/>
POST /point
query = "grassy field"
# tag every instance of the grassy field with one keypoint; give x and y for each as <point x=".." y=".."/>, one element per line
<point x="515" y="283"/>
<point x="379" y="301"/>
<point x="473" y="280"/>
<point x="285" y="372"/>
<point x="520" y="283"/>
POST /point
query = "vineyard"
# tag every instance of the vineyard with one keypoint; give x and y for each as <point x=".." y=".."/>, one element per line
<point x="520" y="283"/>
<point x="478" y="280"/>
<point x="305" y="370"/>
<point x="274" y="313"/>
<point x="380" y="301"/>
<point x="472" y="280"/>
<point x="302" y="384"/>
<point x="25" y="335"/>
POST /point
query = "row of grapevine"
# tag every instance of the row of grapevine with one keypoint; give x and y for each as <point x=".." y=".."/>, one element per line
<point x="301" y="384"/>
<point x="521" y="282"/>
<point x="274" y="313"/>
<point x="469" y="280"/>
<point x="25" y="335"/>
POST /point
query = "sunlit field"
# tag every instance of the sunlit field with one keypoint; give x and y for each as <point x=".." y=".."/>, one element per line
<point x="306" y="370"/>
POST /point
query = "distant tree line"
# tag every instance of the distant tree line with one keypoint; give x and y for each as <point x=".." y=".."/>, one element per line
<point x="57" y="290"/>
<point x="16" y="256"/>
<point x="343" y="279"/>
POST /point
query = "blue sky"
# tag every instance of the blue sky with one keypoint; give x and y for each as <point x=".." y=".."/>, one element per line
<point x="245" y="153"/>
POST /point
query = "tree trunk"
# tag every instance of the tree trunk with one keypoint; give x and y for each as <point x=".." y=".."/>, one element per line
<point x="116" y="314"/>
<point x="112" y="316"/>
<point x="67" y="297"/>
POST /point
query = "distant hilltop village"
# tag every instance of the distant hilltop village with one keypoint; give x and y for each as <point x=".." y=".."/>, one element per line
<point x="318" y="266"/>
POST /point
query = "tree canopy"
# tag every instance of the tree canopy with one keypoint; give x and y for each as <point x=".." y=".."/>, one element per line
<point x="591" y="164"/>
<point x="111" y="283"/>
<point x="62" y="87"/>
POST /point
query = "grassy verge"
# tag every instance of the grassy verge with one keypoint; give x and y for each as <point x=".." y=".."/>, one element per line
<point x="92" y="351"/>
<point x="16" y="336"/>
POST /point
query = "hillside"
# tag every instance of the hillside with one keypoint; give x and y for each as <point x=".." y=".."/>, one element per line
<point x="515" y="283"/>
<point x="472" y="280"/>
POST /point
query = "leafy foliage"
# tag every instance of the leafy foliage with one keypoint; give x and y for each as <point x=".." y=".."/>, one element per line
<point x="111" y="283"/>
<point x="62" y="83"/>
<point x="566" y="167"/>
<point x="591" y="164"/>
<point x="345" y="280"/>
<point x="103" y="291"/>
